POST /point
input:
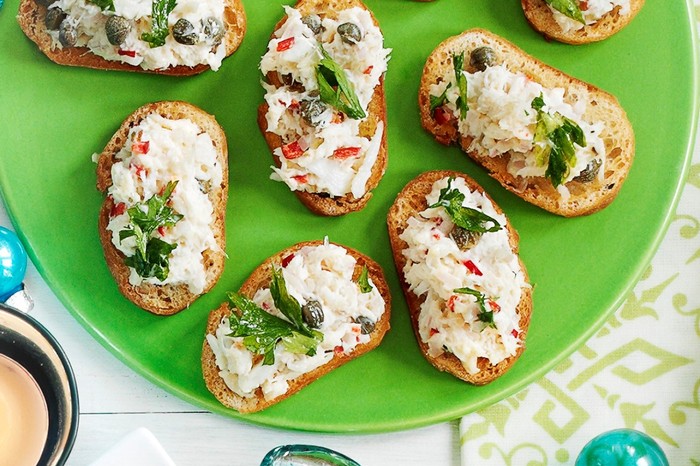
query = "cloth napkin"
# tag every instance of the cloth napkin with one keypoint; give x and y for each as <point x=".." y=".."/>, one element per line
<point x="640" y="371"/>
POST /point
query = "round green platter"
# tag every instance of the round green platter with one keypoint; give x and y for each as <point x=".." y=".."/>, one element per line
<point x="54" y="119"/>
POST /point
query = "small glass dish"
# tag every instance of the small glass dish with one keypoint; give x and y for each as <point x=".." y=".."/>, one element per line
<point x="305" y="455"/>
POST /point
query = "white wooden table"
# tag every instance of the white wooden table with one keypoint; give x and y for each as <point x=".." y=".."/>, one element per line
<point x="115" y="401"/>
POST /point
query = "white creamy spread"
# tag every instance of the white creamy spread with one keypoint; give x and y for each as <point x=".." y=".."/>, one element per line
<point x="592" y="11"/>
<point x="323" y="273"/>
<point x="501" y="120"/>
<point x="436" y="266"/>
<point x="89" y="21"/>
<point x="157" y="151"/>
<point x="330" y="157"/>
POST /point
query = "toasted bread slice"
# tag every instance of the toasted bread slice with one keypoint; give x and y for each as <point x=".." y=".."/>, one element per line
<point x="409" y="203"/>
<point x="617" y="134"/>
<point x="260" y="278"/>
<point x="165" y="299"/>
<point x="31" y="18"/>
<point x="541" y="19"/>
<point x="323" y="203"/>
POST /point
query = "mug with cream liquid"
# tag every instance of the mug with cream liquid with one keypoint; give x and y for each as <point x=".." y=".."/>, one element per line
<point x="38" y="394"/>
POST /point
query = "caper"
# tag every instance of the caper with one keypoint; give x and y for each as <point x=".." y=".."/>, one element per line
<point x="67" y="35"/>
<point x="464" y="238"/>
<point x="213" y="29"/>
<point x="184" y="33"/>
<point x="116" y="28"/>
<point x="312" y="313"/>
<point x="45" y="3"/>
<point x="311" y="110"/>
<point x="482" y="57"/>
<point x="54" y="18"/>
<point x="350" y="33"/>
<point x="312" y="22"/>
<point x="589" y="173"/>
<point x="366" y="324"/>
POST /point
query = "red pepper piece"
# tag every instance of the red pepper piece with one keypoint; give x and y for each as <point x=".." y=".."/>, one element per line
<point x="433" y="331"/>
<point x="515" y="333"/>
<point x="441" y="116"/>
<point x="292" y="150"/>
<point x="127" y="53"/>
<point x="451" y="302"/>
<point x="471" y="266"/>
<point x="140" y="147"/>
<point x="494" y="305"/>
<point x="368" y="70"/>
<point x="117" y="209"/>
<point x="301" y="178"/>
<point x="346" y="152"/>
<point x="287" y="259"/>
<point x="285" y="44"/>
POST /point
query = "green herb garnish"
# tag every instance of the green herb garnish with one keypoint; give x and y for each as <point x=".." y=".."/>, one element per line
<point x="363" y="280"/>
<point x="335" y="89"/>
<point x="462" y="105"/>
<point x="569" y="8"/>
<point x="151" y="258"/>
<point x="160" y="10"/>
<point x="438" y="101"/>
<point x="554" y="140"/>
<point x="485" y="315"/>
<point x="261" y="330"/>
<point x="465" y="217"/>
<point x="103" y="4"/>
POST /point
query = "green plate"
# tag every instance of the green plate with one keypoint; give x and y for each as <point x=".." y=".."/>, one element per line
<point x="54" y="118"/>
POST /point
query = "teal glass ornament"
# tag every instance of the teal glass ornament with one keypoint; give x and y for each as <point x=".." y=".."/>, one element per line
<point x="622" y="447"/>
<point x="305" y="455"/>
<point x="13" y="264"/>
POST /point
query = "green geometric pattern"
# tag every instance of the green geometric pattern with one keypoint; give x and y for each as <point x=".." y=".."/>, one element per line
<point x="641" y="370"/>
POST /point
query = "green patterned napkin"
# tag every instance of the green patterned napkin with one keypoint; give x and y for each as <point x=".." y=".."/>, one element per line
<point x="640" y="371"/>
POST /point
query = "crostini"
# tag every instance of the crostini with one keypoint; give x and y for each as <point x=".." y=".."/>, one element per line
<point x="303" y="312"/>
<point x="580" y="21"/>
<point x="467" y="290"/>
<point x="324" y="114"/>
<point x="555" y="141"/>
<point x="180" y="38"/>
<point x="162" y="223"/>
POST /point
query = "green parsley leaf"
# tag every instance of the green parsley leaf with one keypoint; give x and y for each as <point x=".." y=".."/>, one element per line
<point x="569" y="8"/>
<point x="151" y="258"/>
<point x="286" y="303"/>
<point x="554" y="139"/>
<point x="462" y="105"/>
<point x="160" y="9"/>
<point x="335" y="89"/>
<point x="465" y="217"/>
<point x="363" y="281"/>
<point x="261" y="331"/>
<point x="485" y="316"/>
<point x="438" y="101"/>
<point x="103" y="4"/>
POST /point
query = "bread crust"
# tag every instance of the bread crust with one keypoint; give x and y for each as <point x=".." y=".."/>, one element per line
<point x="164" y="299"/>
<point x="261" y="278"/>
<point x="618" y="135"/>
<point x="541" y="19"/>
<point x="409" y="202"/>
<point x="31" y="20"/>
<point x="322" y="203"/>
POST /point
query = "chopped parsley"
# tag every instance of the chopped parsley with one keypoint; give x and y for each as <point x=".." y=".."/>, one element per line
<point x="261" y="331"/>
<point x="439" y="101"/>
<point x="363" y="281"/>
<point x="335" y="89"/>
<point x="466" y="217"/>
<point x="554" y="139"/>
<point x="160" y="9"/>
<point x="151" y="258"/>
<point x="462" y="105"/>
<point x="569" y="8"/>
<point x="485" y="315"/>
<point x="103" y="4"/>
